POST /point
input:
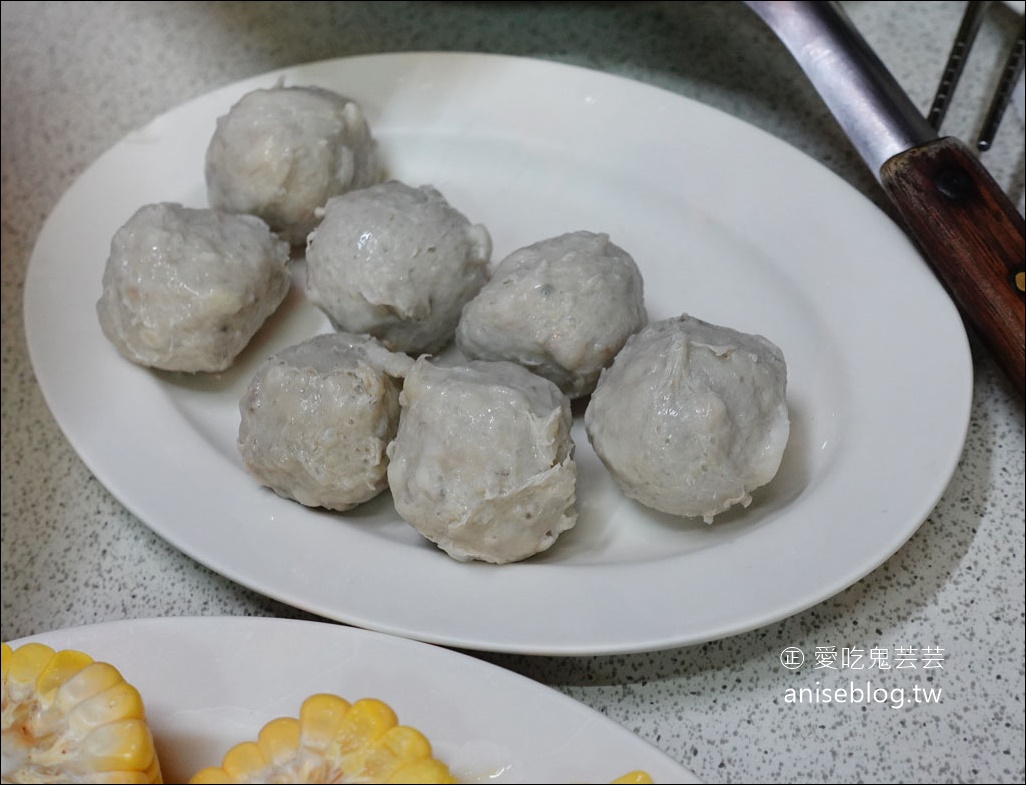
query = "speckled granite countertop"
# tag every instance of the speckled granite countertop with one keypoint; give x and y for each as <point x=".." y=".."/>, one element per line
<point x="79" y="76"/>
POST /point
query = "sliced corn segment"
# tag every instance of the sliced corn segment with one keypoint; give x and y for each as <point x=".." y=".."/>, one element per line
<point x="66" y="718"/>
<point x="633" y="778"/>
<point x="332" y="741"/>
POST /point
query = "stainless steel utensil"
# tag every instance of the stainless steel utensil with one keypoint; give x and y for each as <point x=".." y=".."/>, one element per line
<point x="975" y="11"/>
<point x="965" y="225"/>
<point x="1003" y="95"/>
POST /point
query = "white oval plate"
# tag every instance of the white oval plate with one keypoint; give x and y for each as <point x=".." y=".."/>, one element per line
<point x="210" y="683"/>
<point x="726" y="223"/>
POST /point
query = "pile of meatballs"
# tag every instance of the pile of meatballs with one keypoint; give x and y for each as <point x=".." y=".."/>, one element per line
<point x="475" y="445"/>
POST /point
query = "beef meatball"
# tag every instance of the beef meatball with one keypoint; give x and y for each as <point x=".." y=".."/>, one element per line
<point x="186" y="289"/>
<point x="691" y="417"/>
<point x="483" y="464"/>
<point x="280" y="153"/>
<point x="398" y="263"/>
<point x="562" y="308"/>
<point x="317" y="416"/>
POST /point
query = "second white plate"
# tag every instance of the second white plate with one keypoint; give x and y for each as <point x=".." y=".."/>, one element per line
<point x="725" y="222"/>
<point x="211" y="683"/>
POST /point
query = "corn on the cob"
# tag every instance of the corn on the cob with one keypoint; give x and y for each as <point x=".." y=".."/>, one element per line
<point x="67" y="718"/>
<point x="332" y="741"/>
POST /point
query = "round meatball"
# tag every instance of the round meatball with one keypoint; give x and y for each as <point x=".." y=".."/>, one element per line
<point x="281" y="153"/>
<point x="398" y="263"/>
<point x="691" y="417"/>
<point x="316" y="419"/>
<point x="483" y="464"/>
<point x="186" y="289"/>
<point x="562" y="308"/>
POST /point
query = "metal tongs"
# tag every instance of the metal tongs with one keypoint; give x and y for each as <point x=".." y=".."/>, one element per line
<point x="965" y="225"/>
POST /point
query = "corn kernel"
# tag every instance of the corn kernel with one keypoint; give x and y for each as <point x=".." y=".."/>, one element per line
<point x="332" y="741"/>
<point x="633" y="778"/>
<point x="69" y="719"/>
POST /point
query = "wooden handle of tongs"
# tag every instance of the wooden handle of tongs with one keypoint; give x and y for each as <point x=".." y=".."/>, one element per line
<point x="972" y="235"/>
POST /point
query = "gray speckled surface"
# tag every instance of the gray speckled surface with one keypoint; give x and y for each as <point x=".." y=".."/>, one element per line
<point x="79" y="76"/>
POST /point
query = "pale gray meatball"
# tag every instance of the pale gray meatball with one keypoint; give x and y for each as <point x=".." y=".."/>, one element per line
<point x="691" y="417"/>
<point x="316" y="419"/>
<point x="562" y="308"/>
<point x="280" y="153"/>
<point x="398" y="263"/>
<point x="483" y="464"/>
<point x="186" y="289"/>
